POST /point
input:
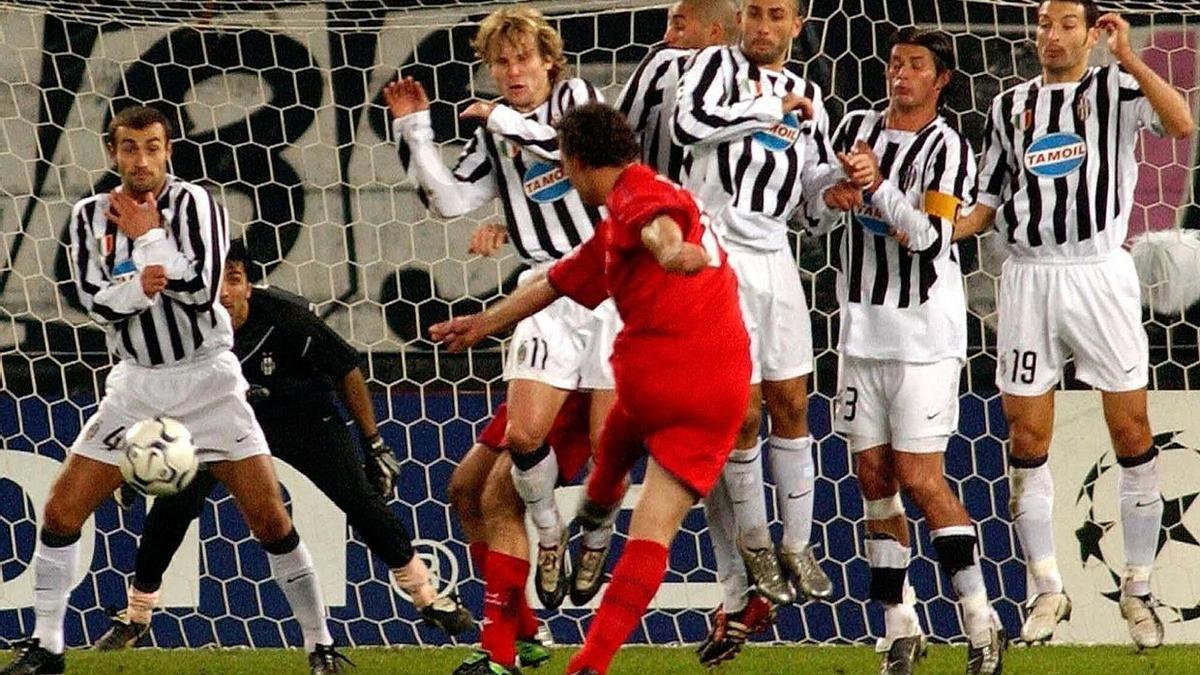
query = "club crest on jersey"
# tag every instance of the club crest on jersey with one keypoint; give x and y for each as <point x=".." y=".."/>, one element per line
<point x="545" y="183"/>
<point x="267" y="365"/>
<point x="872" y="220"/>
<point x="1083" y="109"/>
<point x="908" y="177"/>
<point x="1055" y="155"/>
<point x="782" y="135"/>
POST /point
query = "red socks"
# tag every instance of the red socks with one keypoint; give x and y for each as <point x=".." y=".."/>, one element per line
<point x="505" y="577"/>
<point x="635" y="580"/>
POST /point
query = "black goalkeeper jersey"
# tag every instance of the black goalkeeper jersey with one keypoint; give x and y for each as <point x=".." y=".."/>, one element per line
<point x="290" y="356"/>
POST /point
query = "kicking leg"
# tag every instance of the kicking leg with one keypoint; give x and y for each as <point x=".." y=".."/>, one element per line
<point x="656" y="518"/>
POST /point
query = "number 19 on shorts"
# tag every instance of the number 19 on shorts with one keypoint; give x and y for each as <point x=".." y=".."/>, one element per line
<point x="1023" y="366"/>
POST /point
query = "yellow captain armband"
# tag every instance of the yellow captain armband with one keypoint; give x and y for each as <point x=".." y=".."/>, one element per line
<point x="942" y="204"/>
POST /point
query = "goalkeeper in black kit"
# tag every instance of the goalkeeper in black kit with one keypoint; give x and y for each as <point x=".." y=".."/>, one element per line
<point x="294" y="362"/>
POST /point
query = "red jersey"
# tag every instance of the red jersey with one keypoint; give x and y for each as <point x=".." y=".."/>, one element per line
<point x="682" y="360"/>
<point x="667" y="316"/>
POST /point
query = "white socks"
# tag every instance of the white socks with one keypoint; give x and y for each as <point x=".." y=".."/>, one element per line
<point x="722" y="530"/>
<point x="294" y="573"/>
<point x="1030" y="506"/>
<point x="795" y="477"/>
<point x="53" y="569"/>
<point x="1141" y="518"/>
<point x="536" y="484"/>
<point x="743" y="476"/>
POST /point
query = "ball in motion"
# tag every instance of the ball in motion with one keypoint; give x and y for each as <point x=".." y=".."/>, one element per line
<point x="158" y="457"/>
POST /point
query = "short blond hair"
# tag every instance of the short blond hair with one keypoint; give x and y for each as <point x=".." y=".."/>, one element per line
<point x="515" y="25"/>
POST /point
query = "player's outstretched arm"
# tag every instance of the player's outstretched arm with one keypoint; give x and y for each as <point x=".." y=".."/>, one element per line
<point x="447" y="193"/>
<point x="1171" y="106"/>
<point x="465" y="332"/>
<point x="380" y="463"/>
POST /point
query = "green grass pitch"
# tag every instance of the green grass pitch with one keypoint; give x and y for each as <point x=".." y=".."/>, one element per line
<point x="646" y="661"/>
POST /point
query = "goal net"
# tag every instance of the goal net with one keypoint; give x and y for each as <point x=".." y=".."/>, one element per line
<point x="278" y="108"/>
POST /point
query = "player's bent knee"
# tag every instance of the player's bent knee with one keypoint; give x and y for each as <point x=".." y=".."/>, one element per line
<point x="465" y="490"/>
<point x="522" y="439"/>
<point x="751" y="425"/>
<point x="62" y="517"/>
<point x="1131" y="436"/>
<point x="270" y="524"/>
<point x="1027" y="441"/>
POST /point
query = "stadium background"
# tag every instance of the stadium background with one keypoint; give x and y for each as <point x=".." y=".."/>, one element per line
<point x="281" y="113"/>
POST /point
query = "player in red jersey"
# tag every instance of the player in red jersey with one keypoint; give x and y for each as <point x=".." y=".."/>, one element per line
<point x="681" y="362"/>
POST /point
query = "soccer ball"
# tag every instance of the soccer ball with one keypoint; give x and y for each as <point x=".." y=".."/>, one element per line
<point x="158" y="457"/>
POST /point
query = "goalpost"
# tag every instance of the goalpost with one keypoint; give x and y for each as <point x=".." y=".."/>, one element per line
<point x="278" y="109"/>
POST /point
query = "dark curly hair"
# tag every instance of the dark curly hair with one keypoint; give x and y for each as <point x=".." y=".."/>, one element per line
<point x="1091" y="11"/>
<point x="597" y="135"/>
<point x="940" y="44"/>
<point x="138" y="118"/>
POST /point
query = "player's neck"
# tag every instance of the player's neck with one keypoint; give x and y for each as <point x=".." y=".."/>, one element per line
<point x="1064" y="76"/>
<point x="606" y="179"/>
<point x="913" y="119"/>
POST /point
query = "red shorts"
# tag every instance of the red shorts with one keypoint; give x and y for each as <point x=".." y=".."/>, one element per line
<point x="687" y="424"/>
<point x="568" y="436"/>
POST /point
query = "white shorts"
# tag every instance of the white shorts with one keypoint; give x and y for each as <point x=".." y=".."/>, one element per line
<point x="597" y="372"/>
<point x="1089" y="309"/>
<point x="775" y="312"/>
<point x="551" y="346"/>
<point x="207" y="396"/>
<point x="911" y="406"/>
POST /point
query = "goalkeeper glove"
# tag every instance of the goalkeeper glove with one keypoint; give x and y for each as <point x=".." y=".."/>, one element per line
<point x="381" y="465"/>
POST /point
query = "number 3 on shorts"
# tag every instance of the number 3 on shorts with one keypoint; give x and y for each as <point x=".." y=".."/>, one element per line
<point x="1024" y="366"/>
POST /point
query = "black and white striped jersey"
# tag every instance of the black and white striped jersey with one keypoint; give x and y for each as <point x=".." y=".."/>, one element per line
<point x="897" y="303"/>
<point x="184" y="321"/>
<point x="1058" y="163"/>
<point x="648" y="102"/>
<point x="514" y="157"/>
<point x="750" y="164"/>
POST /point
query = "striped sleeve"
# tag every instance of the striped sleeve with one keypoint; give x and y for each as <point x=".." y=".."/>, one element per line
<point x="642" y="96"/>
<point x="993" y="168"/>
<point x="104" y="301"/>
<point x="194" y="259"/>
<point x="447" y="194"/>
<point x="538" y="138"/>
<point x="1136" y="110"/>
<point x="820" y="172"/>
<point x="708" y="112"/>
